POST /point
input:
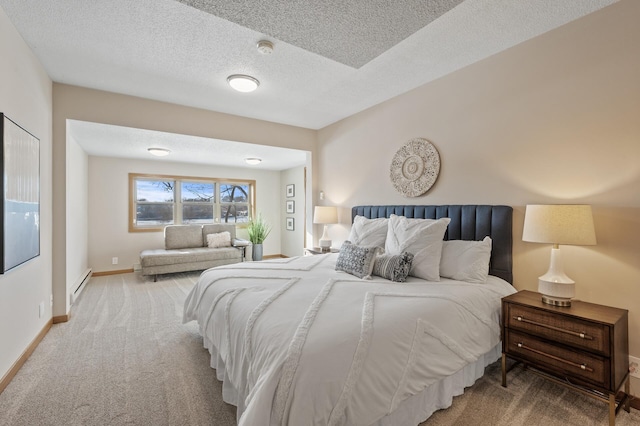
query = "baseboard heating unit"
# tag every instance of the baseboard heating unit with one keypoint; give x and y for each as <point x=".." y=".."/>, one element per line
<point x="79" y="286"/>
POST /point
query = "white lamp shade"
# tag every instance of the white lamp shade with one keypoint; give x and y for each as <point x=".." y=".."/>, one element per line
<point x="570" y="224"/>
<point x="325" y="214"/>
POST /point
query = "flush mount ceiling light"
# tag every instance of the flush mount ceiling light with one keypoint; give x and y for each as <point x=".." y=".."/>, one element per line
<point x="253" y="161"/>
<point x="159" y="152"/>
<point x="243" y="83"/>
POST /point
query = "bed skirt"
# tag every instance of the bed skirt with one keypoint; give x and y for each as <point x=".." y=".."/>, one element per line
<point x="439" y="395"/>
<point x="412" y="411"/>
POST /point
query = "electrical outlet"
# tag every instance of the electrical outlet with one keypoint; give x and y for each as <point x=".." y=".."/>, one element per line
<point x="40" y="309"/>
<point x="634" y="366"/>
<point x="114" y="260"/>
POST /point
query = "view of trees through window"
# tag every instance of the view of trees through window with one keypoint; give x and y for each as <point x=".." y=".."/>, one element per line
<point x="159" y="201"/>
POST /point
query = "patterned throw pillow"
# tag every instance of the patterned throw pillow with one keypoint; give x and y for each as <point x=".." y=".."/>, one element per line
<point x="356" y="260"/>
<point x="393" y="267"/>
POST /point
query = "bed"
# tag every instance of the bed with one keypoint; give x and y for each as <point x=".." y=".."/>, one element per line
<point x="296" y="342"/>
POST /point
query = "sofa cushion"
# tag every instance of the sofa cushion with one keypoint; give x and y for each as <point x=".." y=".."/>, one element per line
<point x="182" y="236"/>
<point x="170" y="257"/>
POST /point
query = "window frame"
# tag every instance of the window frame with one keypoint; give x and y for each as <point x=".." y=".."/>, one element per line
<point x="177" y="196"/>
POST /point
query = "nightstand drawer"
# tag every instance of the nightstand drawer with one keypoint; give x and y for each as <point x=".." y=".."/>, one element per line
<point x="560" y="328"/>
<point x="561" y="360"/>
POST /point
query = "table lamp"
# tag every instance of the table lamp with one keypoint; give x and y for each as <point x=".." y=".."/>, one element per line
<point x="558" y="224"/>
<point x="325" y="215"/>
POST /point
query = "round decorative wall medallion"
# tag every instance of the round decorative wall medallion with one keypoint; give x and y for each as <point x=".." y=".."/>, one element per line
<point x="415" y="167"/>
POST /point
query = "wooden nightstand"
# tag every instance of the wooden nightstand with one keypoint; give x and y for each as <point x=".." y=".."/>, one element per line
<point x="584" y="346"/>
<point x="318" y="250"/>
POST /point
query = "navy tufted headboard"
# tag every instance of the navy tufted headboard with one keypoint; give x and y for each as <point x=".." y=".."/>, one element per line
<point x="468" y="222"/>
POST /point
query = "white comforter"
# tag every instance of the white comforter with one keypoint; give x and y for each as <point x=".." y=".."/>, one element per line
<point x="297" y="343"/>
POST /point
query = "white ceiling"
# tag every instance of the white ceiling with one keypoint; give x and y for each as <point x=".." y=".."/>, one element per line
<point x="332" y="58"/>
<point x="105" y="140"/>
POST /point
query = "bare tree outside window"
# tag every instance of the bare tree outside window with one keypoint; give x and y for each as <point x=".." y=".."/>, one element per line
<point x="234" y="206"/>
<point x="197" y="202"/>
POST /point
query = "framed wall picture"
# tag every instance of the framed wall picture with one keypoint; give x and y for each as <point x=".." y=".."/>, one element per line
<point x="291" y="206"/>
<point x="291" y="190"/>
<point x="20" y="183"/>
<point x="290" y="224"/>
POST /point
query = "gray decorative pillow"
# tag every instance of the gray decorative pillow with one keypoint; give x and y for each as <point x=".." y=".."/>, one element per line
<point x="356" y="260"/>
<point x="393" y="267"/>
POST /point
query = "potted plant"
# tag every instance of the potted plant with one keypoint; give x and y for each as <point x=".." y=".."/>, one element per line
<point x="258" y="231"/>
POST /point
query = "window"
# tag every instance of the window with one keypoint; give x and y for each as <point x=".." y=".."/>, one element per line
<point x="234" y="202"/>
<point x="198" y="202"/>
<point x="154" y="202"/>
<point x="157" y="201"/>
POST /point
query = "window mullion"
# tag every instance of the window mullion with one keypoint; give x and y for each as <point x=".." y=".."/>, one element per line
<point x="216" y="202"/>
<point x="177" y="201"/>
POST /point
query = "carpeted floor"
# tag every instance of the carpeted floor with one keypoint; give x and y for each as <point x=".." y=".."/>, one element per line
<point x="126" y="359"/>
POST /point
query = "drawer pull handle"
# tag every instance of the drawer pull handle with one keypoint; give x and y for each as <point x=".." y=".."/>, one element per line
<point x="581" y="335"/>
<point x="574" y="364"/>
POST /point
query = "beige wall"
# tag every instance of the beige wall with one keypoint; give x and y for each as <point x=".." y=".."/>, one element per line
<point x="293" y="241"/>
<point x="25" y="97"/>
<point x="109" y="234"/>
<point x="77" y="219"/>
<point x="552" y="120"/>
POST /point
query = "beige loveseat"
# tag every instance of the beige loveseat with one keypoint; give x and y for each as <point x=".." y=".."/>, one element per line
<point x="185" y="249"/>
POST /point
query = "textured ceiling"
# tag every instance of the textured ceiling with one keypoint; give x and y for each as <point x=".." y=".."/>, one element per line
<point x="349" y="32"/>
<point x="183" y="51"/>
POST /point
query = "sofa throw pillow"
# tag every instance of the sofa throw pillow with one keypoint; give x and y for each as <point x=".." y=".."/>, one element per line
<point x="357" y="260"/>
<point x="219" y="239"/>
<point x="368" y="232"/>
<point x="466" y="260"/>
<point x="393" y="267"/>
<point x="423" y="238"/>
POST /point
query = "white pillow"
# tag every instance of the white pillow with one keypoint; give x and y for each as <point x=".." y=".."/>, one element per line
<point x="466" y="260"/>
<point x="422" y="238"/>
<point x="220" y="239"/>
<point x="368" y="232"/>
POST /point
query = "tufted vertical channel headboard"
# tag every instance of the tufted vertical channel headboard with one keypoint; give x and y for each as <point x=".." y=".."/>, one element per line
<point x="468" y="222"/>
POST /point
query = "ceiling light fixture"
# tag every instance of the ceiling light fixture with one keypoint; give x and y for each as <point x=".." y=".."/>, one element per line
<point x="253" y="160"/>
<point x="243" y="83"/>
<point x="159" y="152"/>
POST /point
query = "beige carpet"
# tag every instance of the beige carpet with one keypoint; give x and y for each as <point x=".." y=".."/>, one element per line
<point x="126" y="359"/>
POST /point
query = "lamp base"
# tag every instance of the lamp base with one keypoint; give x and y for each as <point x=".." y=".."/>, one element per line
<point x="325" y="242"/>
<point x="325" y="245"/>
<point x="556" y="301"/>
<point x="556" y="287"/>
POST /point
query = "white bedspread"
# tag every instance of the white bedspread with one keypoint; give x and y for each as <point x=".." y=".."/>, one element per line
<point x="297" y="343"/>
